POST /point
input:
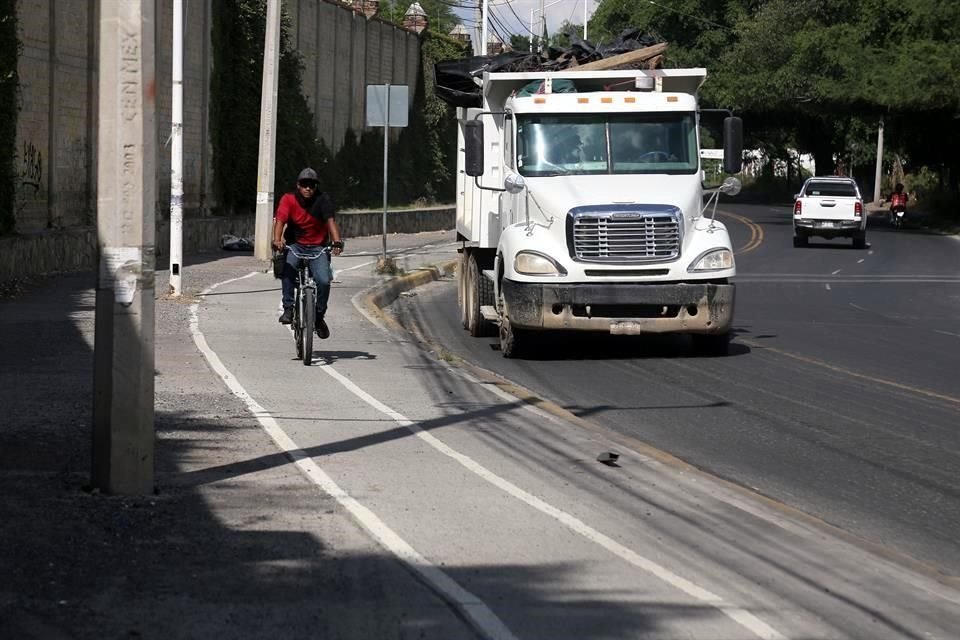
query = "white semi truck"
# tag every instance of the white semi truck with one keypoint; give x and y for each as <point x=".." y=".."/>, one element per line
<point x="580" y="206"/>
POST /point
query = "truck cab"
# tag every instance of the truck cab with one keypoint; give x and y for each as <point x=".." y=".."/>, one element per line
<point x="580" y="207"/>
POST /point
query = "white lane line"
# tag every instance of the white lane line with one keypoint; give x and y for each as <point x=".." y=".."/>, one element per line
<point x="860" y="260"/>
<point x="473" y="609"/>
<point x="358" y="266"/>
<point x="836" y="272"/>
<point x="739" y="615"/>
<point x="401" y="255"/>
<point x="827" y="286"/>
<point x="947" y="333"/>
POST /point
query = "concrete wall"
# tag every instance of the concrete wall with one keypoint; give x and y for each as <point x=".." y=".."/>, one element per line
<point x="56" y="130"/>
<point x="49" y="252"/>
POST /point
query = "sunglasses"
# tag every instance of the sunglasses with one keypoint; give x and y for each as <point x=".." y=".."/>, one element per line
<point x="307" y="185"/>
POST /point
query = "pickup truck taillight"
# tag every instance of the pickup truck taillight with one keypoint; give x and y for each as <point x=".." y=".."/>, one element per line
<point x="858" y="210"/>
<point x="797" y="208"/>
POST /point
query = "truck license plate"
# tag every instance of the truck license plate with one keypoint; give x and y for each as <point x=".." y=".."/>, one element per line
<point x="626" y="327"/>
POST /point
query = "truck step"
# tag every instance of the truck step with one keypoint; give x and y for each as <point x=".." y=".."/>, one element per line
<point x="489" y="312"/>
<point x="490" y="275"/>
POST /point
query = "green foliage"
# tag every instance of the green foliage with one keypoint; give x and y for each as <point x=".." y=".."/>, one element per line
<point x="238" y="36"/>
<point x="519" y="43"/>
<point x="817" y="75"/>
<point x="422" y="164"/>
<point x="9" y="82"/>
<point x="561" y="39"/>
<point x="425" y="158"/>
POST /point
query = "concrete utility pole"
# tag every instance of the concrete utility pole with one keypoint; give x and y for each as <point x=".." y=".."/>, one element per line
<point x="123" y="418"/>
<point x="485" y="21"/>
<point x="879" y="173"/>
<point x="480" y="45"/>
<point x="176" y="153"/>
<point x="585" y="2"/>
<point x="268" y="127"/>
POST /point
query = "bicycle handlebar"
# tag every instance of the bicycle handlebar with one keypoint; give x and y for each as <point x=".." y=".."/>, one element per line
<point x="308" y="256"/>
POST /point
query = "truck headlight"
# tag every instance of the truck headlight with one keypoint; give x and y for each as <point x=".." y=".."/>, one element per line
<point x="713" y="260"/>
<point x="531" y="263"/>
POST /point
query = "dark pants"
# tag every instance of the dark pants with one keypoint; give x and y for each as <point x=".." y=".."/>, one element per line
<point x="319" y="269"/>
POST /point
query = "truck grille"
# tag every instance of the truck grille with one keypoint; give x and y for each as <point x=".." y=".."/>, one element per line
<point x="644" y="234"/>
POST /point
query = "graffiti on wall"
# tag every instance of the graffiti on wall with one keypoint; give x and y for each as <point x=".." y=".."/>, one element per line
<point x="31" y="168"/>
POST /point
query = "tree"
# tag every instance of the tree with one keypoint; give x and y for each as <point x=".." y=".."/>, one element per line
<point x="519" y="43"/>
<point x="561" y="39"/>
<point x="817" y="74"/>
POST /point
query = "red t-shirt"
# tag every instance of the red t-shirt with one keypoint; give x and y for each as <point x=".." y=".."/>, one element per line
<point x="309" y="230"/>
<point x="898" y="199"/>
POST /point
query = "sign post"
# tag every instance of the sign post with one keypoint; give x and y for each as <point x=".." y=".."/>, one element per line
<point x="387" y="106"/>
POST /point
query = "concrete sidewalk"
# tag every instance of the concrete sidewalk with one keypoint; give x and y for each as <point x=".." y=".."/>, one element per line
<point x="233" y="543"/>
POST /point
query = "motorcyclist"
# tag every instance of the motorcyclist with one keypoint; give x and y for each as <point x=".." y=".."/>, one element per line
<point x="306" y="216"/>
<point x="898" y="201"/>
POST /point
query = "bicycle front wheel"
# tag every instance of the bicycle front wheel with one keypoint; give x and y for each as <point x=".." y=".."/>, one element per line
<point x="297" y="326"/>
<point x="309" y="315"/>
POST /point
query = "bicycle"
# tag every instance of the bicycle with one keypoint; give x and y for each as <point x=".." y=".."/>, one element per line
<point x="305" y="305"/>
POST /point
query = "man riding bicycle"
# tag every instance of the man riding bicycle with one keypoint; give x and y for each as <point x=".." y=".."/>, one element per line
<point x="305" y="220"/>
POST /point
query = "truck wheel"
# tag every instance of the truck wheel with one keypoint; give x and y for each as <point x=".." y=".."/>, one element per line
<point x="477" y="292"/>
<point x="462" y="289"/>
<point x="711" y="344"/>
<point x="799" y="241"/>
<point x="860" y="241"/>
<point x="511" y="340"/>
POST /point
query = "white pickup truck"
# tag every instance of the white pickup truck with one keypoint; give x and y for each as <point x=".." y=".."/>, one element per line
<point x="829" y="207"/>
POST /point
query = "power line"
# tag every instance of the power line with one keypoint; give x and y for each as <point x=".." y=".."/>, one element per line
<point x="519" y="19"/>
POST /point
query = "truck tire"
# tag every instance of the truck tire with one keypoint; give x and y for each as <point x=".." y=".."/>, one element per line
<point x="860" y="241"/>
<point x="712" y="345"/>
<point x="512" y="341"/>
<point x="478" y="291"/>
<point x="799" y="241"/>
<point x="462" y="288"/>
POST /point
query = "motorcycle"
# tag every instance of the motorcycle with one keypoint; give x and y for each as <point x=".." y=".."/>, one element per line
<point x="897" y="212"/>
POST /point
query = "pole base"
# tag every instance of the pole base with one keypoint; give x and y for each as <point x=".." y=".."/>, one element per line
<point x="388" y="266"/>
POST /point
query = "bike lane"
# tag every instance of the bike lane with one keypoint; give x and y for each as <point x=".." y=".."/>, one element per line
<point x="502" y="509"/>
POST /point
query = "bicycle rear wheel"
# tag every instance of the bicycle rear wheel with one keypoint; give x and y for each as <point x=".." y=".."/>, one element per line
<point x="309" y="314"/>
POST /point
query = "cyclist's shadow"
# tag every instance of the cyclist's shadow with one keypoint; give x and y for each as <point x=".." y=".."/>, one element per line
<point x="330" y="357"/>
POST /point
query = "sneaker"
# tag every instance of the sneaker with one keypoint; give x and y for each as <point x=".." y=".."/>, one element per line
<point x="287" y="316"/>
<point x="323" y="331"/>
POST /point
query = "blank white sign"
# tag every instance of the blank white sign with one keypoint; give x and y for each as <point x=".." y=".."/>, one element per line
<point x="377" y="105"/>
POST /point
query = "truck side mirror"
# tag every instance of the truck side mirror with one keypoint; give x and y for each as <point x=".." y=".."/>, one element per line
<point x="473" y="147"/>
<point x="732" y="144"/>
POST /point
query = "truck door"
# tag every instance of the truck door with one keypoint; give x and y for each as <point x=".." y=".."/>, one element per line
<point x="511" y="210"/>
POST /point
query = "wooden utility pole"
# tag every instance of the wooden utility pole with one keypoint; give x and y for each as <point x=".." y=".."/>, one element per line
<point x="123" y="418"/>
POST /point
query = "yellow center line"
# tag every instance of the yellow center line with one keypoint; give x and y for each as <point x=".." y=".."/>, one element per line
<point x="756" y="232"/>
<point x="854" y="374"/>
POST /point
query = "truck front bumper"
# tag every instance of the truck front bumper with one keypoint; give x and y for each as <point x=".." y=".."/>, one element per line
<point x="623" y="308"/>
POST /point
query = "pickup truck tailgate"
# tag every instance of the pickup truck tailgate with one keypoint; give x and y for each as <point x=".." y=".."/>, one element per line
<point x="827" y="208"/>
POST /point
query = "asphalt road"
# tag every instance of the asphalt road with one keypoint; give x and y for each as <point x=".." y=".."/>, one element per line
<point x="840" y="397"/>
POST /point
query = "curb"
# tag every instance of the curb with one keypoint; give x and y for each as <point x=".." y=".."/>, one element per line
<point x="372" y="301"/>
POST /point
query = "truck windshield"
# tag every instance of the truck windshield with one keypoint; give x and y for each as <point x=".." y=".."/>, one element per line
<point x="607" y="143"/>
